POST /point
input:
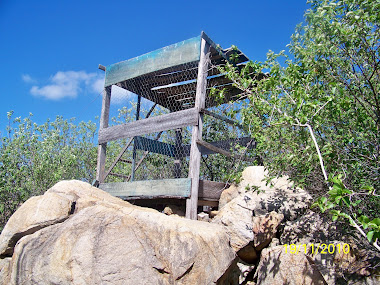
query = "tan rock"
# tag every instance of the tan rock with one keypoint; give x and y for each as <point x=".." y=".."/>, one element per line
<point x="265" y="228"/>
<point x="174" y="210"/>
<point x="228" y="195"/>
<point x="278" y="267"/>
<point x="247" y="233"/>
<point x="203" y="217"/>
<point x="310" y="227"/>
<point x="261" y="199"/>
<point x="36" y="213"/>
<point x="109" y="241"/>
<point x="5" y="270"/>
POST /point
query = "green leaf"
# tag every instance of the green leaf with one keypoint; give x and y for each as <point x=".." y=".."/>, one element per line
<point x="370" y="235"/>
<point x="375" y="222"/>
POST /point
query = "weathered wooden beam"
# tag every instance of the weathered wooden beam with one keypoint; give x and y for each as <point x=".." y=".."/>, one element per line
<point x="126" y="147"/>
<point x="208" y="203"/>
<point x="214" y="148"/>
<point x="134" y="141"/>
<point x="118" y="175"/>
<point x="166" y="188"/>
<point x="195" y="153"/>
<point x="211" y="190"/>
<point x="154" y="146"/>
<point x="173" y="55"/>
<point x="177" y="155"/>
<point x="143" y="157"/>
<point x="118" y="157"/>
<point x="156" y="124"/>
<point x="102" y="148"/>
<point x="223" y="118"/>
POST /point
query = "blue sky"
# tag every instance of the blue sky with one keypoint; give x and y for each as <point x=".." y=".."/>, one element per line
<point x="50" y="50"/>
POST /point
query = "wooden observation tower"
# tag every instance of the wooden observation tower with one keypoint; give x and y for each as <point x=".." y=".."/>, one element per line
<point x="176" y="79"/>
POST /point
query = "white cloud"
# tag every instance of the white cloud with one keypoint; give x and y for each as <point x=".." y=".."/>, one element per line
<point x="27" y="78"/>
<point x="66" y="84"/>
<point x="98" y="85"/>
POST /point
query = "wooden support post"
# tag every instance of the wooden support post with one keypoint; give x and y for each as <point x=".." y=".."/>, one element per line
<point x="195" y="153"/>
<point x="134" y="144"/>
<point x="104" y="118"/>
<point x="177" y="155"/>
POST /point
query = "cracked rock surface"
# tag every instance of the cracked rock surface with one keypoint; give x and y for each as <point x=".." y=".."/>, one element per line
<point x="78" y="234"/>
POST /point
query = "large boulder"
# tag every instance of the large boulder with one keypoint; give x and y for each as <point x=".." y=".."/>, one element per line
<point x="278" y="266"/>
<point x="104" y="240"/>
<point x="252" y="211"/>
<point x="35" y="214"/>
<point x="261" y="197"/>
<point x="316" y="229"/>
<point x="310" y="227"/>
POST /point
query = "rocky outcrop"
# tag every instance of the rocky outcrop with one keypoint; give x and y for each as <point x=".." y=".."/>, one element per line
<point x="48" y="209"/>
<point x="310" y="227"/>
<point x="278" y="267"/>
<point x="253" y="211"/>
<point x="261" y="198"/>
<point x="104" y="240"/>
<point x="78" y="234"/>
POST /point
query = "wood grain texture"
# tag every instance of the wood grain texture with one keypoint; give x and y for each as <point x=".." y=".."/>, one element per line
<point x="173" y="55"/>
<point x="156" y="124"/>
<point x="102" y="148"/>
<point x="166" y="188"/>
<point x="154" y="146"/>
<point x="223" y="118"/>
<point x="211" y="190"/>
<point x="118" y="157"/>
<point x="195" y="153"/>
<point x="216" y="149"/>
<point x="143" y="157"/>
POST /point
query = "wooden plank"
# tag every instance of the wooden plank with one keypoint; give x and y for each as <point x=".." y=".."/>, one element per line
<point x="143" y="157"/>
<point x="154" y="146"/>
<point x="134" y="141"/>
<point x="208" y="203"/>
<point x="118" y="157"/>
<point x="118" y="175"/>
<point x="102" y="148"/>
<point x="177" y="148"/>
<point x="126" y="147"/>
<point x="220" y="117"/>
<point x="195" y="154"/>
<point x="211" y="190"/>
<point x="222" y="151"/>
<point x="166" y="188"/>
<point x="214" y="148"/>
<point x="156" y="124"/>
<point x="173" y="55"/>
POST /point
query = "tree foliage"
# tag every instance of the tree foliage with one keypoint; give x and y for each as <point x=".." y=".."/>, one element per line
<point x="316" y="117"/>
<point x="34" y="157"/>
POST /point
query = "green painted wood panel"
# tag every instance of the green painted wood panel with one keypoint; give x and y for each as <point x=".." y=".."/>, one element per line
<point x="179" y="188"/>
<point x="173" y="55"/>
<point x="154" y="146"/>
